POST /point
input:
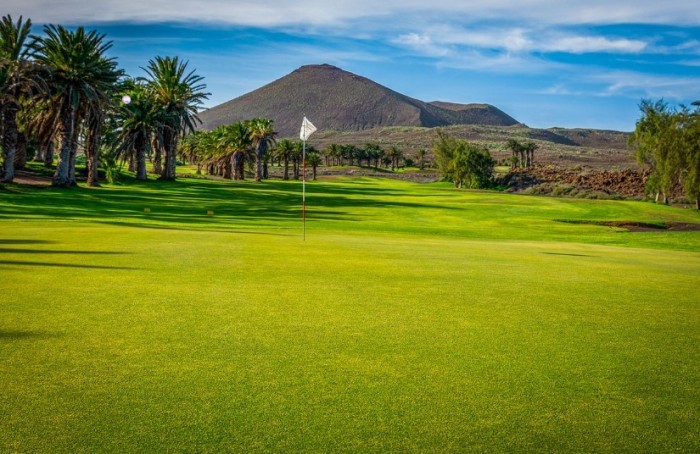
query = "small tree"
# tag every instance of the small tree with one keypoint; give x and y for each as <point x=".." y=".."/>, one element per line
<point x="463" y="163"/>
<point x="420" y="156"/>
<point x="314" y="160"/>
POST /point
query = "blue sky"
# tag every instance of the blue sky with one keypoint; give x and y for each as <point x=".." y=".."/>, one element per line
<point x="547" y="63"/>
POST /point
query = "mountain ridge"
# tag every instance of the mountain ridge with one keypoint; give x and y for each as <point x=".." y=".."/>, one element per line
<point x="335" y="99"/>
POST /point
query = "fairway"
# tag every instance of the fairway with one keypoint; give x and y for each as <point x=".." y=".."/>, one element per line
<point x="191" y="316"/>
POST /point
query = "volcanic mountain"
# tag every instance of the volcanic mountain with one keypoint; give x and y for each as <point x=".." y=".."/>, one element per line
<point x="334" y="99"/>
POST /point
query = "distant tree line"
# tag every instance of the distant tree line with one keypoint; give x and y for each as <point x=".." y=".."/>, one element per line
<point x="667" y="141"/>
<point x="61" y="92"/>
<point x="372" y="155"/>
<point x="224" y="151"/>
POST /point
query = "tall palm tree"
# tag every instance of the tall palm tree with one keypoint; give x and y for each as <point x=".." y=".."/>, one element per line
<point x="517" y="149"/>
<point x="285" y="149"/>
<point x="82" y="78"/>
<point x="19" y="79"/>
<point x="178" y="94"/>
<point x="314" y="160"/>
<point x="39" y="123"/>
<point x="139" y="122"/>
<point x="262" y="135"/>
<point x="420" y="154"/>
<point x="394" y="155"/>
<point x="529" y="149"/>
<point x="238" y="140"/>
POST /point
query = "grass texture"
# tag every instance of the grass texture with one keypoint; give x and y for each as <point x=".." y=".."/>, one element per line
<point x="413" y="318"/>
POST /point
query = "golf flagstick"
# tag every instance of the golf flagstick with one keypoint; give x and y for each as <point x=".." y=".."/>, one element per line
<point x="306" y="130"/>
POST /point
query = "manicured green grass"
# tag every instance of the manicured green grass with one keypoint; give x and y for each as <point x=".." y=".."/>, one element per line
<point x="413" y="318"/>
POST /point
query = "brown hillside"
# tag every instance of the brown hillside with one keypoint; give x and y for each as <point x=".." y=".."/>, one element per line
<point x="608" y="151"/>
<point x="338" y="100"/>
<point x="477" y="114"/>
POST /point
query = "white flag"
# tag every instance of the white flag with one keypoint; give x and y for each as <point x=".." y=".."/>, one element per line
<point x="306" y="129"/>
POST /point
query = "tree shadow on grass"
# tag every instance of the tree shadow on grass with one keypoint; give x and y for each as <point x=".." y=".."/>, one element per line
<point x="15" y="335"/>
<point x="174" y="227"/>
<point x="65" y="265"/>
<point x="53" y="251"/>
<point x="569" y="255"/>
<point x="24" y="241"/>
<point x="188" y="202"/>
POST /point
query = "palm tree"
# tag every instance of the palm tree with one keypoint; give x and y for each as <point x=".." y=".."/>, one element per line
<point x="517" y="149"/>
<point x="335" y="152"/>
<point x="374" y="153"/>
<point x="238" y="141"/>
<point x="394" y="155"/>
<point x="529" y="149"/>
<point x="178" y="95"/>
<point x="262" y="135"/>
<point x="82" y="79"/>
<point x="285" y="148"/>
<point x="297" y="156"/>
<point x="420" y="154"/>
<point x="314" y="160"/>
<point x="39" y="123"/>
<point x="19" y="79"/>
<point x="139" y="122"/>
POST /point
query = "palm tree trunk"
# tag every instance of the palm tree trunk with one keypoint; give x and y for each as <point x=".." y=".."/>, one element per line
<point x="61" y="177"/>
<point x="21" y="151"/>
<point x="140" y="150"/>
<point x="157" y="157"/>
<point x="286" y="167"/>
<point x="9" y="143"/>
<point x="170" y="142"/>
<point x="71" y="165"/>
<point x="259" y="155"/>
<point x="237" y="167"/>
<point x="48" y="155"/>
<point x="227" y="167"/>
<point x="92" y="151"/>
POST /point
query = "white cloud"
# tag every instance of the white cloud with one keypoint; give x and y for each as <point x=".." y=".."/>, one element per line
<point x="517" y="40"/>
<point x="423" y="44"/>
<point x="269" y="13"/>
<point x="499" y="62"/>
<point x="592" y="44"/>
<point x="634" y="84"/>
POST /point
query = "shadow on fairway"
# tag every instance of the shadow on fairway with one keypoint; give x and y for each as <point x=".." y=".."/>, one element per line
<point x="569" y="255"/>
<point x="189" y="202"/>
<point x="14" y="335"/>
<point x="64" y="265"/>
<point x="194" y="228"/>
<point x="52" y="251"/>
<point x="24" y="241"/>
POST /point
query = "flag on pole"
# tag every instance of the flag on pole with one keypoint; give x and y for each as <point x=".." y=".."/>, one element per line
<point x="306" y="129"/>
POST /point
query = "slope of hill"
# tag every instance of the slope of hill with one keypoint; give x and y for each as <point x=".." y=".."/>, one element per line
<point x="567" y="147"/>
<point x="342" y="101"/>
<point x="476" y="114"/>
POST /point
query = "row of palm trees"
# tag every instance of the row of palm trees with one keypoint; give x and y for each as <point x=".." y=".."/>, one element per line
<point x="62" y="88"/>
<point x="337" y="154"/>
<point x="523" y="153"/>
<point x="225" y="150"/>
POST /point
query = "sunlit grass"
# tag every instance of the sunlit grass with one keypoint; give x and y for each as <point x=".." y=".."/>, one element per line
<point x="414" y="317"/>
